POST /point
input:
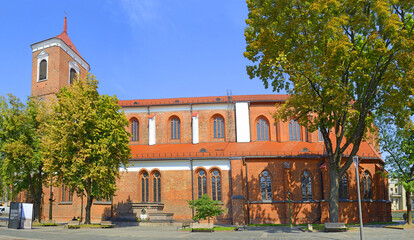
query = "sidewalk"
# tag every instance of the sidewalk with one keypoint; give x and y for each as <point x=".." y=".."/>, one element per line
<point x="374" y="232"/>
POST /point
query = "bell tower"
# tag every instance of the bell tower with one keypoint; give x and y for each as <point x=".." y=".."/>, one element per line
<point x="55" y="63"/>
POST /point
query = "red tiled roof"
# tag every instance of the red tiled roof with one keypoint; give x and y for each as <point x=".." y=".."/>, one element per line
<point x="233" y="149"/>
<point x="65" y="38"/>
<point x="200" y="100"/>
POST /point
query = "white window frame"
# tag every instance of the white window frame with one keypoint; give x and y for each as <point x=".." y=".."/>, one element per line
<point x="40" y="57"/>
<point x="74" y="65"/>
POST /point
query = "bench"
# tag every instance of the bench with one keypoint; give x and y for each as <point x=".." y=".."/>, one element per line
<point x="240" y="227"/>
<point x="185" y="225"/>
<point x="73" y="224"/>
<point x="202" y="227"/>
<point x="107" y="224"/>
<point x="335" y="227"/>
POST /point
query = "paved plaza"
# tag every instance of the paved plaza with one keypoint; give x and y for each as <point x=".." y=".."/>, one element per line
<point x="376" y="232"/>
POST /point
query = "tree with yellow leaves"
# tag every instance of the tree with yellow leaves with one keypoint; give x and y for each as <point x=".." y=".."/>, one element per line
<point x="86" y="141"/>
<point x="342" y="62"/>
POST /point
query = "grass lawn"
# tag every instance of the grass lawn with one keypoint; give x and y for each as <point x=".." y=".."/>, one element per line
<point x="215" y="229"/>
<point x="89" y="226"/>
<point x="403" y="226"/>
<point x="37" y="224"/>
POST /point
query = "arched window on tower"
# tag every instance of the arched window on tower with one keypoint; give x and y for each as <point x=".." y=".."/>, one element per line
<point x="216" y="186"/>
<point x="135" y="130"/>
<point x="306" y="186"/>
<point x="366" y="182"/>
<point x="266" y="185"/>
<point x="43" y="70"/>
<point x="343" y="187"/>
<point x="294" y="130"/>
<point x="202" y="183"/>
<point x="72" y="76"/>
<point x="175" y="128"/>
<point x="157" y="186"/>
<point x="218" y="127"/>
<point x="262" y="128"/>
<point x="144" y="187"/>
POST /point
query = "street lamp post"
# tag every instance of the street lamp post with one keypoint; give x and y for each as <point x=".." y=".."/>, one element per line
<point x="290" y="213"/>
<point x="356" y="159"/>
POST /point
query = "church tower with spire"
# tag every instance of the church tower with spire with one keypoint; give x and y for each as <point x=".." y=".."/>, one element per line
<point x="55" y="63"/>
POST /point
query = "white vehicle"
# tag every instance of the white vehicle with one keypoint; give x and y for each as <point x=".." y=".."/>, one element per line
<point x="4" y="210"/>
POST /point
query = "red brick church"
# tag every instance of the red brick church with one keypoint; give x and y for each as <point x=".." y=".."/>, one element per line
<point x="228" y="147"/>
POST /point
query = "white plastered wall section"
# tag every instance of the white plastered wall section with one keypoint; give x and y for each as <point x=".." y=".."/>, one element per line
<point x="176" y="165"/>
<point x="151" y="131"/>
<point x="195" y="129"/>
<point x="242" y="122"/>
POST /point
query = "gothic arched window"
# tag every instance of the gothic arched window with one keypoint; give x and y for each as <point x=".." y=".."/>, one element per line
<point x="43" y="70"/>
<point x="366" y="182"/>
<point x="157" y="186"/>
<point x="175" y="128"/>
<point x="218" y="125"/>
<point x="72" y="75"/>
<point x="306" y="186"/>
<point x="343" y="187"/>
<point x="266" y="185"/>
<point x="135" y="130"/>
<point x="144" y="187"/>
<point x="202" y="183"/>
<point x="294" y="130"/>
<point x="262" y="128"/>
<point x="216" y="185"/>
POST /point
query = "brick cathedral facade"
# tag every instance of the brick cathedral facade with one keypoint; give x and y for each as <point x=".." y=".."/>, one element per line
<point x="228" y="147"/>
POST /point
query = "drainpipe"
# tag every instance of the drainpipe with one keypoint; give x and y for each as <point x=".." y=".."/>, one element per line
<point x="247" y="192"/>
<point x="192" y="185"/>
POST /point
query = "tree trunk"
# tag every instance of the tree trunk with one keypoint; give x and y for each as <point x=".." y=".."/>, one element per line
<point x="333" y="193"/>
<point x="38" y="195"/>
<point x="409" y="212"/>
<point x="89" y="199"/>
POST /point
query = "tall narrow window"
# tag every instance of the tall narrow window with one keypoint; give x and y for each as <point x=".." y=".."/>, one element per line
<point x="43" y="70"/>
<point x="320" y="136"/>
<point x="294" y="130"/>
<point x="262" y="128"/>
<point x="202" y="183"/>
<point x="63" y="193"/>
<point x="218" y="126"/>
<point x="266" y="185"/>
<point x="343" y="188"/>
<point x="175" y="128"/>
<point x="135" y="130"/>
<point x="306" y="186"/>
<point x="70" y="196"/>
<point x="144" y="187"/>
<point x="157" y="187"/>
<point x="72" y="76"/>
<point x="366" y="181"/>
<point x="216" y="185"/>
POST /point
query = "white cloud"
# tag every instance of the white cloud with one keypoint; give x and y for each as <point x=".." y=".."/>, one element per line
<point x="140" y="12"/>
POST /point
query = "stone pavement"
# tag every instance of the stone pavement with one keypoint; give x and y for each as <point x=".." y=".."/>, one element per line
<point x="170" y="232"/>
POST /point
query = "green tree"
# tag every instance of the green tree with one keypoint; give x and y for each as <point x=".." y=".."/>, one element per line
<point x="398" y="144"/>
<point x="340" y="61"/>
<point x="205" y="208"/>
<point x="20" y="157"/>
<point x="86" y="142"/>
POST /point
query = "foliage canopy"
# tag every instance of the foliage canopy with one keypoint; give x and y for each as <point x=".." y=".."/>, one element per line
<point x="86" y="141"/>
<point x="205" y="208"/>
<point x="344" y="63"/>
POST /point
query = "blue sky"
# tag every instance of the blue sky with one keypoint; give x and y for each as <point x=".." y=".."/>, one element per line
<point x="137" y="49"/>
